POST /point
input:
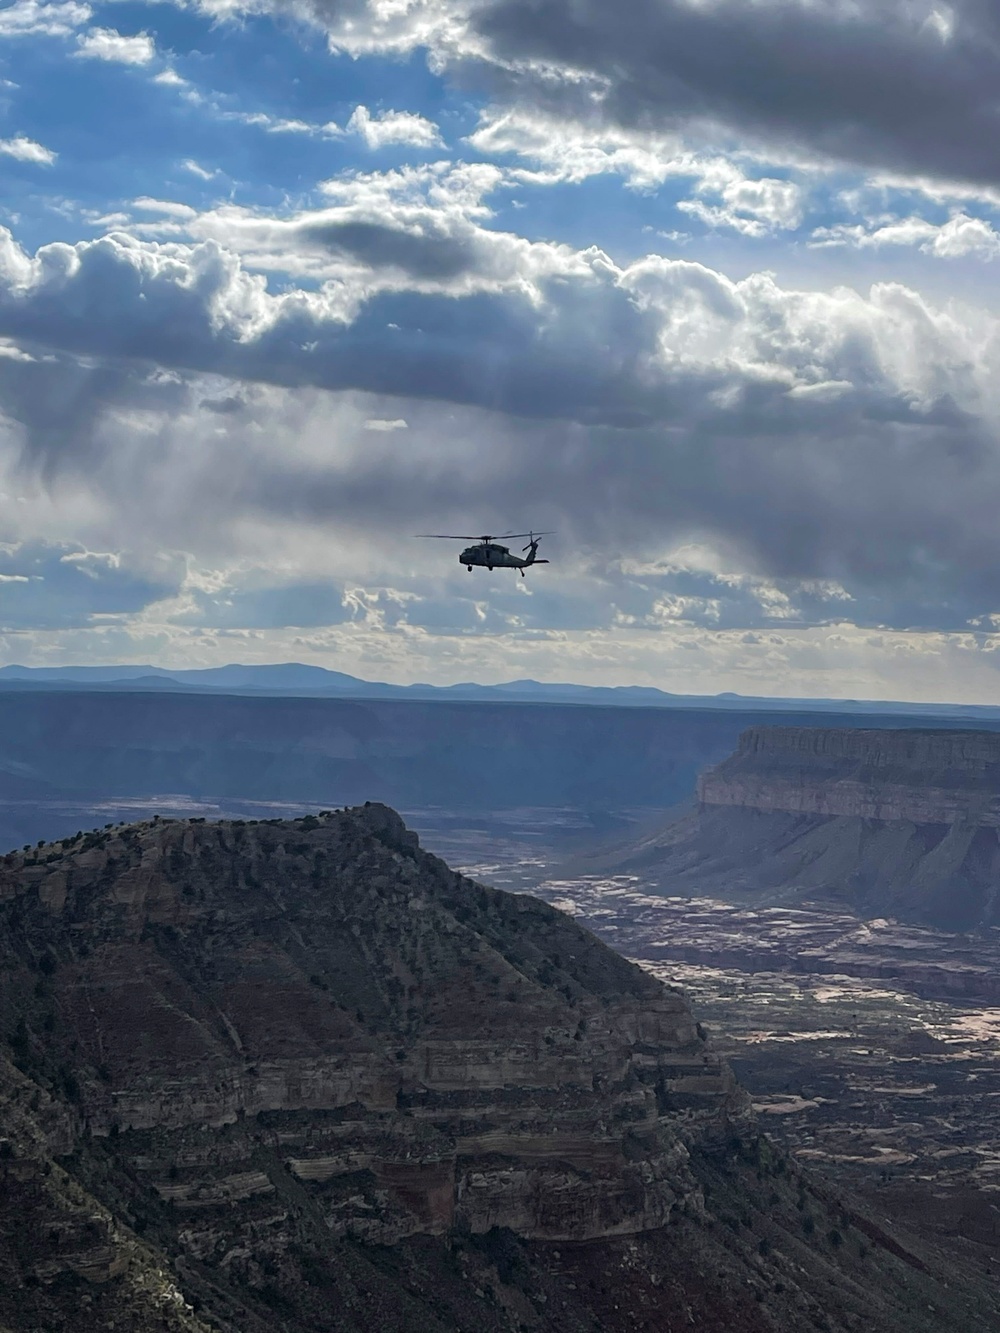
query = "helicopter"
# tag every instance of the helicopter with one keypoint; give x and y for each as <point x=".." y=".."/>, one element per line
<point x="488" y="552"/>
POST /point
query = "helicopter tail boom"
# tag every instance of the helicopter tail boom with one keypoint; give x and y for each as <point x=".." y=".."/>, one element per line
<point x="531" y="550"/>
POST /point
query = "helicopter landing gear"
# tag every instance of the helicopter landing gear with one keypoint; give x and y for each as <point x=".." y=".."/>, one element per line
<point x="490" y="568"/>
<point x="469" y="568"/>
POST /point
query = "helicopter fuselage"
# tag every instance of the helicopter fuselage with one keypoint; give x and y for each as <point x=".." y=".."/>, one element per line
<point x="490" y="555"/>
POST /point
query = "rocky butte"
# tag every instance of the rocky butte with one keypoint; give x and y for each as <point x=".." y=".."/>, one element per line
<point x="301" y="1076"/>
<point x="904" y="824"/>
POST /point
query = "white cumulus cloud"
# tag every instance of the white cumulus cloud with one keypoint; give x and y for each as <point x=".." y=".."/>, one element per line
<point x="32" y="18"/>
<point x="393" y="127"/>
<point x="564" y="150"/>
<point x="27" y="150"/>
<point x="960" y="237"/>
<point x="755" y="207"/>
<point x="109" y="44"/>
<point x="169" y="78"/>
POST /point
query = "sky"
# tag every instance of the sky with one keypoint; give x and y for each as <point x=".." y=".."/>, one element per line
<point x="707" y="287"/>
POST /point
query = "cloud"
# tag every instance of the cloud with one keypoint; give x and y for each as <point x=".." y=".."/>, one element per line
<point x="33" y="18"/>
<point x="566" y="150"/>
<point x="415" y="228"/>
<point x="216" y="422"/>
<point x="958" y="238"/>
<point x="388" y="127"/>
<point x="569" y="151"/>
<point x="165" y="208"/>
<point x="13" y="352"/>
<point x="393" y="127"/>
<point x="564" y="334"/>
<point x="292" y="515"/>
<point x="355" y="26"/>
<point x="27" y="150"/>
<point x="43" y="588"/>
<point x="196" y="169"/>
<point x="94" y="564"/>
<point x="274" y="124"/>
<point x="237" y="604"/>
<point x="753" y="207"/>
<point x="819" y="441"/>
<point x="111" y="45"/>
<point x="877" y="86"/>
<point x="896" y="85"/>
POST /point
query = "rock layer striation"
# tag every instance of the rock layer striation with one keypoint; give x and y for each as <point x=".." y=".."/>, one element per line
<point x="917" y="777"/>
<point x="891" y="823"/>
<point x="475" y="1057"/>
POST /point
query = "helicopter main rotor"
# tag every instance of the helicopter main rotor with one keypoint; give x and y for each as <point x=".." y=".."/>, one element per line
<point x="467" y="537"/>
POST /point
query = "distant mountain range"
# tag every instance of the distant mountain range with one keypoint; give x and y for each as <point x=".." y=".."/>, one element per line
<point x="301" y="679"/>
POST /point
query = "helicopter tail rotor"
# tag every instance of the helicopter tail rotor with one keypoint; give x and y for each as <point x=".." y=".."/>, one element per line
<point x="531" y="549"/>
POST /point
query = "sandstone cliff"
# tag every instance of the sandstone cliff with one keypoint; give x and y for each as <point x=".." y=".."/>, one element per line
<point x="916" y="777"/>
<point x="891" y="823"/>
<point x="301" y="1075"/>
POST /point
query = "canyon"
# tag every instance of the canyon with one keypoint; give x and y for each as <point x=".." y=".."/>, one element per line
<point x="895" y="823"/>
<point x="300" y="1074"/>
<point x="72" y="757"/>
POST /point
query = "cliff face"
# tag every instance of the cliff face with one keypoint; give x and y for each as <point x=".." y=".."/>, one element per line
<point x="891" y="823"/>
<point x="919" y="777"/>
<point x="253" y="1015"/>
<point x="301" y="1075"/>
<point x="203" y="974"/>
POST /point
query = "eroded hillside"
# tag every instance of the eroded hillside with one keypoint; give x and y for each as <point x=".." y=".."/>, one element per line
<point x="890" y="823"/>
<point x="301" y="1075"/>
